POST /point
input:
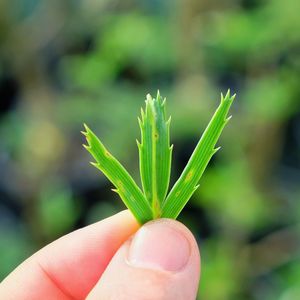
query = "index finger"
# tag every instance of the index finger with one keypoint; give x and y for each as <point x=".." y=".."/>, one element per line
<point x="69" y="267"/>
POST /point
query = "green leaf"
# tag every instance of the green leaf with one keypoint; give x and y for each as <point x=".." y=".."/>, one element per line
<point x="155" y="162"/>
<point x="129" y="192"/>
<point x="155" y="152"/>
<point x="186" y="185"/>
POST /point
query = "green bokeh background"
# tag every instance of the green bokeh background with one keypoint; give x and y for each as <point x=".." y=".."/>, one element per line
<point x="63" y="63"/>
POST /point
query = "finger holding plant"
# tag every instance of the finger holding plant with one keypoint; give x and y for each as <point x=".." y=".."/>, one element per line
<point x="155" y="154"/>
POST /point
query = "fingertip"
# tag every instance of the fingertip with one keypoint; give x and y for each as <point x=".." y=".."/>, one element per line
<point x="127" y="218"/>
<point x="163" y="244"/>
<point x="162" y="258"/>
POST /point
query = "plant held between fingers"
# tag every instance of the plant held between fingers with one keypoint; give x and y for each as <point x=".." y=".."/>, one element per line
<point x="155" y="153"/>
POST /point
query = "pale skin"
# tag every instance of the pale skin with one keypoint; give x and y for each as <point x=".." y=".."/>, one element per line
<point x="111" y="259"/>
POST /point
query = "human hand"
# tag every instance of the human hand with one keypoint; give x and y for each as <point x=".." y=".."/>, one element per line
<point x="111" y="259"/>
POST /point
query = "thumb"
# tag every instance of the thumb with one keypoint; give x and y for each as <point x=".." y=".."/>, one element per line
<point x="161" y="261"/>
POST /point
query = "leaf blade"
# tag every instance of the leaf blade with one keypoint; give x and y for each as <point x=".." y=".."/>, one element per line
<point x="126" y="187"/>
<point x="155" y="152"/>
<point x="186" y="185"/>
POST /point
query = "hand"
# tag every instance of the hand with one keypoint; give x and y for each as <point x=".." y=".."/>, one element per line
<point x="111" y="259"/>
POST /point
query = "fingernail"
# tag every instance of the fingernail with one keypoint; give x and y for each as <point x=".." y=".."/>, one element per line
<point x="159" y="245"/>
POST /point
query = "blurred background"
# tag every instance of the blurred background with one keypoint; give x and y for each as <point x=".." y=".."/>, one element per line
<point x="63" y="63"/>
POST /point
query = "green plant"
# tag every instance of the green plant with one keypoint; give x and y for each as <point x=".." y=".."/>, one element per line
<point x="155" y="162"/>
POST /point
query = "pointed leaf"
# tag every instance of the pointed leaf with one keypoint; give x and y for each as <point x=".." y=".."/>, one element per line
<point x="155" y="152"/>
<point x="129" y="192"/>
<point x="205" y="149"/>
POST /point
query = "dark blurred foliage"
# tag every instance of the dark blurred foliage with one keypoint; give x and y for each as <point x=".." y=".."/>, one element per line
<point x="63" y="63"/>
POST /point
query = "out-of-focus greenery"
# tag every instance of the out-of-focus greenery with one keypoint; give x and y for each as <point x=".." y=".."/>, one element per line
<point x="63" y="63"/>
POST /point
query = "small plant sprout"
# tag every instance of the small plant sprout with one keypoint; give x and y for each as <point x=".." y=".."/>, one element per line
<point x="155" y="153"/>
